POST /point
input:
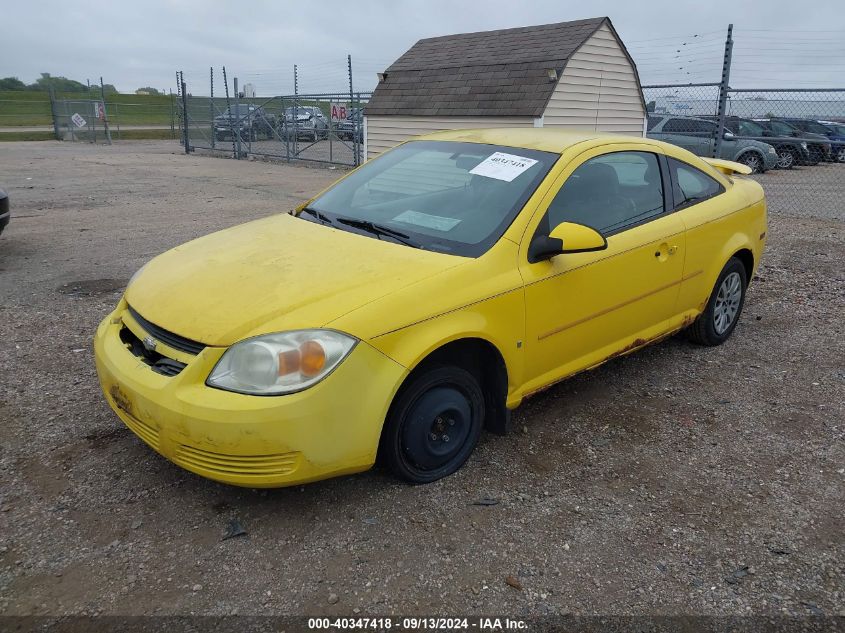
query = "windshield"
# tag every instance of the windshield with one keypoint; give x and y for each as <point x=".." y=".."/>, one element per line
<point x="301" y="111"/>
<point x="242" y="110"/>
<point x="815" y="128"/>
<point x="749" y="128"/>
<point x="443" y="196"/>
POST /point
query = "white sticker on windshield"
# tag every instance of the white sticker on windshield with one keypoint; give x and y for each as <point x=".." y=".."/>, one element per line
<point x="503" y="166"/>
<point x="436" y="222"/>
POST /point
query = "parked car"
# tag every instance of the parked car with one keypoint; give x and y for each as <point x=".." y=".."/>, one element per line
<point x="817" y="130"/>
<point x="352" y="127"/>
<point x="422" y="297"/>
<point x="836" y="134"/>
<point x="305" y="122"/>
<point x="249" y="120"/>
<point x="699" y="136"/>
<point x="790" y="150"/>
<point x="777" y="127"/>
<point x="5" y="212"/>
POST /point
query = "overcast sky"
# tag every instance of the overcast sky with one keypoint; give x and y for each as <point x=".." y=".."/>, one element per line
<point x="778" y="42"/>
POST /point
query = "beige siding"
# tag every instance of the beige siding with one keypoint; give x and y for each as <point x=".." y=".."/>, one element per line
<point x="384" y="132"/>
<point x="598" y="90"/>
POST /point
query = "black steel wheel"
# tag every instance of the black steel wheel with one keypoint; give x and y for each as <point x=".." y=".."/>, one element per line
<point x="433" y="424"/>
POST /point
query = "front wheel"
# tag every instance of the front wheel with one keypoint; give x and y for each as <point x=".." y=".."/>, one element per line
<point x="716" y="324"/>
<point x="433" y="425"/>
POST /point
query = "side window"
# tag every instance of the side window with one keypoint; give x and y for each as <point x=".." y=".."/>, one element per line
<point x="691" y="185"/>
<point x="678" y="126"/>
<point x="653" y="121"/>
<point x="609" y="193"/>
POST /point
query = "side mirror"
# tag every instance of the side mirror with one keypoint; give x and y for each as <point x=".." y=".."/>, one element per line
<point x="728" y="135"/>
<point x="566" y="237"/>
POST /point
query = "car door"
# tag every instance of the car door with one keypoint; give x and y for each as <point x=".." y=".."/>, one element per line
<point x="582" y="308"/>
<point x="683" y="133"/>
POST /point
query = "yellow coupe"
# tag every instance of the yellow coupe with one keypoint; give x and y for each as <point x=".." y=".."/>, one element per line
<point x="421" y="298"/>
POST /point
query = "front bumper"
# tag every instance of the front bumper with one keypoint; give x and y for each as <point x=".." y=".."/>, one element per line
<point x="331" y="429"/>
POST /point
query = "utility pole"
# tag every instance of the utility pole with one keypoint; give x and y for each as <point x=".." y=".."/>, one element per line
<point x="723" y="92"/>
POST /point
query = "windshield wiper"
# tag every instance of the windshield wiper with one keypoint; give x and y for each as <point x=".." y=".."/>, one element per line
<point x="317" y="214"/>
<point x="379" y="229"/>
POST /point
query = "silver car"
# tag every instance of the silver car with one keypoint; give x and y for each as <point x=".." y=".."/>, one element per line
<point x="699" y="137"/>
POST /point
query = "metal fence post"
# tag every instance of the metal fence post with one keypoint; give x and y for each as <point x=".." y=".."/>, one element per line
<point x="237" y="119"/>
<point x="54" y="114"/>
<point x="351" y="106"/>
<point x="229" y="113"/>
<point x="211" y="105"/>
<point x="723" y="93"/>
<point x="185" y="116"/>
<point x="105" y="114"/>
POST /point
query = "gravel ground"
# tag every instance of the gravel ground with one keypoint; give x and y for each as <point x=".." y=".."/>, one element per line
<point x="679" y="480"/>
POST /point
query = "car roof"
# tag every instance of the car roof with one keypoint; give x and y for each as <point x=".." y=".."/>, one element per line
<point x="544" y="139"/>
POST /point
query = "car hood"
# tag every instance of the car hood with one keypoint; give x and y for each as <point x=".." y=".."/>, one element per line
<point x="279" y="273"/>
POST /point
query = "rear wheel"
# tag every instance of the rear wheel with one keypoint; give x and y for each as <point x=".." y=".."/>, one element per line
<point x="752" y="160"/>
<point x="715" y="325"/>
<point x="840" y="154"/>
<point x="433" y="425"/>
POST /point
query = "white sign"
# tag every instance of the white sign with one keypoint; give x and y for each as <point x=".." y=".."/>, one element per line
<point x="99" y="111"/>
<point x="503" y="166"/>
<point x="339" y="111"/>
<point x="436" y="222"/>
<point x="78" y="121"/>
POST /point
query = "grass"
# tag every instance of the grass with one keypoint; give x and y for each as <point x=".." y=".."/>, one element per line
<point x="28" y="108"/>
<point x="125" y="135"/>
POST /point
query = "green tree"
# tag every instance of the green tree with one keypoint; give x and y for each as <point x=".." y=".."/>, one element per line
<point x="147" y="90"/>
<point x="59" y="84"/>
<point x="12" y="83"/>
<point x="109" y="88"/>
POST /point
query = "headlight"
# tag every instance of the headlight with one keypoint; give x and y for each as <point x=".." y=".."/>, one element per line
<point x="274" y="364"/>
<point x="804" y="144"/>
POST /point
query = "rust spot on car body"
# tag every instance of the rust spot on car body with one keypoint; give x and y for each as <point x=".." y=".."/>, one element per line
<point x="120" y="399"/>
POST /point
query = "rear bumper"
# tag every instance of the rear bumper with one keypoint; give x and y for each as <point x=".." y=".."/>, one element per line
<point x="330" y="429"/>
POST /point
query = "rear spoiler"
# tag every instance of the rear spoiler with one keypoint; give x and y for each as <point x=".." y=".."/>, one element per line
<point x="728" y="167"/>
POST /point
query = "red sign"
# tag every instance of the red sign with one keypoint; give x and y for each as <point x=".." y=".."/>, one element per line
<point x="339" y="111"/>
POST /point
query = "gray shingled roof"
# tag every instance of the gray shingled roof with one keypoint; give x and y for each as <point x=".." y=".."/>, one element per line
<point x="491" y="73"/>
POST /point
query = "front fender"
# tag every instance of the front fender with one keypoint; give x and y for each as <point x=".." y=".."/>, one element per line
<point x="499" y="320"/>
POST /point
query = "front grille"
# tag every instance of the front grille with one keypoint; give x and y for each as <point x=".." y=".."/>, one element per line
<point x="158" y="363"/>
<point x="245" y="466"/>
<point x="142" y="430"/>
<point x="168" y="338"/>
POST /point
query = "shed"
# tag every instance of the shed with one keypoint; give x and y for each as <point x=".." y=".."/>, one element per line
<point x="571" y="74"/>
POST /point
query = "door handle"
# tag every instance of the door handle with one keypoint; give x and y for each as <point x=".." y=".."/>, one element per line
<point x="673" y="250"/>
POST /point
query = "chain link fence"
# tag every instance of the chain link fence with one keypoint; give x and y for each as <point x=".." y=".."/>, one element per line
<point x="792" y="139"/>
<point x="320" y="128"/>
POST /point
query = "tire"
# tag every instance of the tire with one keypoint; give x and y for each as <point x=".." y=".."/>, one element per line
<point x="786" y="158"/>
<point x="840" y="154"/>
<point x="715" y="325"/>
<point x="433" y="424"/>
<point x="753" y="160"/>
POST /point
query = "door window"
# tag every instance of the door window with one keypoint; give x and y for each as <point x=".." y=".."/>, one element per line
<point x="691" y="185"/>
<point x="609" y="193"/>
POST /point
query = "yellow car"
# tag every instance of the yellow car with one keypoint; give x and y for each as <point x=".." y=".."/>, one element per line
<point x="421" y="298"/>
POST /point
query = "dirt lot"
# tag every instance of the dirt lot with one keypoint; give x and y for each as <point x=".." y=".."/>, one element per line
<point x="676" y="480"/>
